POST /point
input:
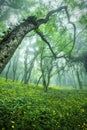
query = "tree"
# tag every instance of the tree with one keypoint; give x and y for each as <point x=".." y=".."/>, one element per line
<point x="15" y="64"/>
<point x="28" y="65"/>
<point x="46" y="65"/>
<point x="7" y="71"/>
<point x="14" y="37"/>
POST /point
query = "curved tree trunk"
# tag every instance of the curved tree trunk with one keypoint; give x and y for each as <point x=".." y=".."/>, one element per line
<point x="13" y="39"/>
<point x="10" y="43"/>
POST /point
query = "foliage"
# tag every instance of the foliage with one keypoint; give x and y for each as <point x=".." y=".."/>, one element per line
<point x="27" y="107"/>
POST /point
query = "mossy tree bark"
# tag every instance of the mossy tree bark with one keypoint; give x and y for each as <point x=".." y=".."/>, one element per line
<point x="10" y="43"/>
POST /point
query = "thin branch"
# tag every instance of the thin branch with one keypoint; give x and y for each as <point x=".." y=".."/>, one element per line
<point x="44" y="39"/>
<point x="45" y="20"/>
<point x="74" y="27"/>
<point x="55" y="11"/>
<point x="41" y="21"/>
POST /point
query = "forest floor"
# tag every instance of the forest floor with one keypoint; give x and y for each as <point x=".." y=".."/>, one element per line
<point x="28" y="107"/>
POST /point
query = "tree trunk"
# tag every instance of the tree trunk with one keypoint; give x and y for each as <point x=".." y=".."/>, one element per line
<point x="10" y="43"/>
<point x="7" y="71"/>
<point x="80" y="84"/>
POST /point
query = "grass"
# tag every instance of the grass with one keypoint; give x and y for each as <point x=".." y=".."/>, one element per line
<point x="27" y="107"/>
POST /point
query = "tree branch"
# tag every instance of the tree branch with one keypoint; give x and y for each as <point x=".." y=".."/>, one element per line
<point x="44" y="39"/>
<point x="74" y="27"/>
<point x="45" y="20"/>
<point x="40" y="21"/>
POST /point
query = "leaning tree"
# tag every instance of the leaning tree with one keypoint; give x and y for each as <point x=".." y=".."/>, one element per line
<point x="14" y="37"/>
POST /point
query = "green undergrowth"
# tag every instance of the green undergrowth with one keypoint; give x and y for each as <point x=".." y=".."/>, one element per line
<point x="28" y="107"/>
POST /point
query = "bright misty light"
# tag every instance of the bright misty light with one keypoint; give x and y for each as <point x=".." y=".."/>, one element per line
<point x="45" y="1"/>
<point x="53" y="4"/>
<point x="13" y="19"/>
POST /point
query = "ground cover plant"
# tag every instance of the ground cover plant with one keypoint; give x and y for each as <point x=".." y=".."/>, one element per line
<point x="28" y="107"/>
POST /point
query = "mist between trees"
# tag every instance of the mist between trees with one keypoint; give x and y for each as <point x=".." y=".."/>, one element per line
<point x="44" y="42"/>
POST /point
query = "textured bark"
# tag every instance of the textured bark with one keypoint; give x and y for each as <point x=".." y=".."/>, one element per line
<point x="10" y="43"/>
